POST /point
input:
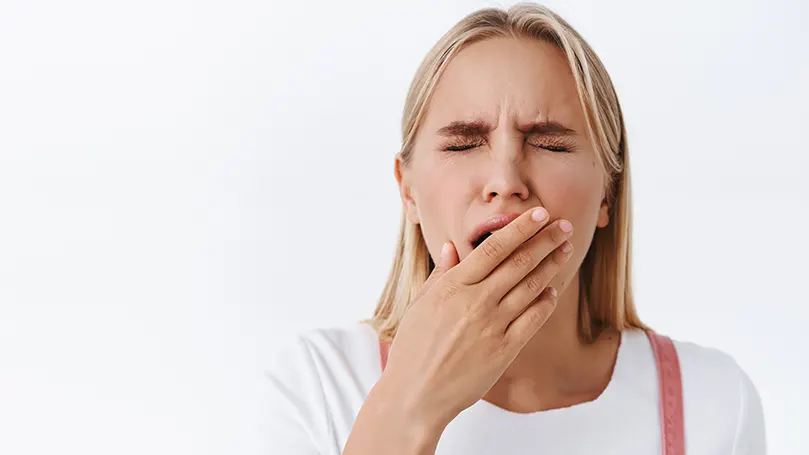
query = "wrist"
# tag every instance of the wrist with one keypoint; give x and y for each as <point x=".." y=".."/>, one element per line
<point x="409" y="418"/>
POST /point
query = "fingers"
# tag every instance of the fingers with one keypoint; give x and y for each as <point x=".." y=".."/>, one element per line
<point x="500" y="245"/>
<point x="526" y="258"/>
<point x="527" y="290"/>
<point x="525" y="326"/>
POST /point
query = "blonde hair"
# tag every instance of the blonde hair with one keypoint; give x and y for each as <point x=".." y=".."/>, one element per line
<point x="605" y="299"/>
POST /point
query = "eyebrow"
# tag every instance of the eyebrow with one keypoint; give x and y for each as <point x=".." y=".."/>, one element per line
<point x="548" y="128"/>
<point x="479" y="128"/>
<point x="466" y="129"/>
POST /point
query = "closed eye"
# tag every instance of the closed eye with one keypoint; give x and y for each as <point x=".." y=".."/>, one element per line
<point x="552" y="148"/>
<point x="560" y="146"/>
<point x="461" y="146"/>
<point x="554" y="144"/>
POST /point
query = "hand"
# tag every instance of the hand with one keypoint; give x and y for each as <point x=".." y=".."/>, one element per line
<point x="471" y="319"/>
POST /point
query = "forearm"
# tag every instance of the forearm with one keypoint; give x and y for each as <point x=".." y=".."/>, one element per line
<point x="388" y="425"/>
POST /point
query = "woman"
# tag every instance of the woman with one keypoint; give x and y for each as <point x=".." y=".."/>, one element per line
<point x="509" y="304"/>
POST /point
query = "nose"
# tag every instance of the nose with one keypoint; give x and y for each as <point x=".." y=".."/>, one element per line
<point x="505" y="180"/>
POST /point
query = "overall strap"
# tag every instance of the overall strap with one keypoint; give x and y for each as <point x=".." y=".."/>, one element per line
<point x="672" y="425"/>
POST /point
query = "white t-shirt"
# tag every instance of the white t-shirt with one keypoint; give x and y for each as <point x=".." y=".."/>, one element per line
<point x="319" y="383"/>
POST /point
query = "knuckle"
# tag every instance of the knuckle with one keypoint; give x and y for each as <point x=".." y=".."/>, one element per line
<point x="522" y="229"/>
<point x="493" y="247"/>
<point x="535" y="283"/>
<point x="521" y="258"/>
<point x="487" y="294"/>
<point x="487" y="332"/>
<point x="536" y="316"/>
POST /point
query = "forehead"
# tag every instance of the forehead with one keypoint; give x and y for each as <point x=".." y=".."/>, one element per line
<point x="520" y="79"/>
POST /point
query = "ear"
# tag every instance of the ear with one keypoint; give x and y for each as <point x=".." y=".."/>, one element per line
<point x="409" y="204"/>
<point x="603" y="214"/>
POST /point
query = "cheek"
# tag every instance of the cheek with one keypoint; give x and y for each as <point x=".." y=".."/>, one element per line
<point x="573" y="192"/>
<point x="439" y="194"/>
<point x="575" y="196"/>
<point x="576" y="201"/>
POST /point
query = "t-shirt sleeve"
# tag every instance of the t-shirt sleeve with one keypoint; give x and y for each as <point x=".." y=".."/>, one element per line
<point x="750" y="434"/>
<point x="297" y="423"/>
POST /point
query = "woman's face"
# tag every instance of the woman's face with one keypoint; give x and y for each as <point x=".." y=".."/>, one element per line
<point x="504" y="132"/>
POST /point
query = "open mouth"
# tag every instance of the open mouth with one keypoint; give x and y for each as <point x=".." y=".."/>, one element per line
<point x="476" y="243"/>
<point x="493" y="224"/>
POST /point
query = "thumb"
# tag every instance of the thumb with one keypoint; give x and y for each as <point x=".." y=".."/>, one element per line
<point x="448" y="259"/>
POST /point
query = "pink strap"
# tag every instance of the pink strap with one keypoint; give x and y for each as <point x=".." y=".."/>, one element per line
<point x="671" y="391"/>
<point x="672" y="425"/>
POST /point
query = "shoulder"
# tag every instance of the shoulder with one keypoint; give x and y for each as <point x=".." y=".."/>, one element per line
<point x="711" y="372"/>
<point x="709" y="367"/>
<point x="718" y="394"/>
<point x="324" y="371"/>
<point x="325" y="354"/>
<point x="723" y="412"/>
<point x="321" y="348"/>
<point x="318" y="380"/>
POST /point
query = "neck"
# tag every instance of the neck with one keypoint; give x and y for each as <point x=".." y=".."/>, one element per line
<point x="556" y="368"/>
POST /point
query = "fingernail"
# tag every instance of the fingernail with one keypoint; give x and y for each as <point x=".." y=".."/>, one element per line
<point x="445" y="250"/>
<point x="553" y="292"/>
<point x="566" y="247"/>
<point x="565" y="225"/>
<point x="539" y="214"/>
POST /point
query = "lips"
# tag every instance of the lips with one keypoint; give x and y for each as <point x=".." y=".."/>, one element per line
<point x="490" y="225"/>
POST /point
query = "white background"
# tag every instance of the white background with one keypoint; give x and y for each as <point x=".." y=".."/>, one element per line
<point x="185" y="184"/>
